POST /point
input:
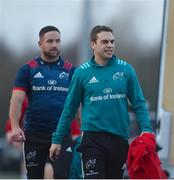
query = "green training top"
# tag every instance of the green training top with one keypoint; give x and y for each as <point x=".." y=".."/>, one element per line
<point x="104" y="92"/>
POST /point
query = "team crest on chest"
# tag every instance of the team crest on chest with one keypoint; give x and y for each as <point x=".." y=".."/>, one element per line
<point x="64" y="75"/>
<point x="118" y="76"/>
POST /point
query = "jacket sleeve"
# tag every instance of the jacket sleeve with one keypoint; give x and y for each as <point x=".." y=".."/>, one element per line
<point x="70" y="108"/>
<point x="137" y="100"/>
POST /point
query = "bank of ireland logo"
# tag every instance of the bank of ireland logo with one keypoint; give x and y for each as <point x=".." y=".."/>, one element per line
<point x="107" y="90"/>
<point x="52" y="82"/>
<point x="118" y="76"/>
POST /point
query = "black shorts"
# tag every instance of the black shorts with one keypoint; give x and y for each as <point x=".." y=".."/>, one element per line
<point x="62" y="165"/>
<point x="104" y="155"/>
<point x="36" y="153"/>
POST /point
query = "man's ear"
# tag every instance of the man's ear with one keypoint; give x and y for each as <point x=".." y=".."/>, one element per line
<point x="39" y="43"/>
<point x="92" y="43"/>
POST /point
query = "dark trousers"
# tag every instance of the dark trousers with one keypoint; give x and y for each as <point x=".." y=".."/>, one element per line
<point x="103" y="155"/>
<point x="36" y="153"/>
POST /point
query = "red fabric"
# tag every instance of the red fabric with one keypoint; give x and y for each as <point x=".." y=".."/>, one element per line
<point x="19" y="88"/>
<point x="75" y="129"/>
<point x="143" y="161"/>
<point x="24" y="106"/>
<point x="32" y="63"/>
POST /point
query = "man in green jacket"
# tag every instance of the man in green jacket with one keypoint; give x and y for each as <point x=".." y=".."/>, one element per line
<point x="103" y="85"/>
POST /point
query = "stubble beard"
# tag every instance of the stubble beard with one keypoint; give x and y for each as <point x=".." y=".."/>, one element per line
<point x="50" y="55"/>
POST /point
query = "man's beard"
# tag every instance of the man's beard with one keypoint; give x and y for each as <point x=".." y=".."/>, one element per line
<point x="50" y="55"/>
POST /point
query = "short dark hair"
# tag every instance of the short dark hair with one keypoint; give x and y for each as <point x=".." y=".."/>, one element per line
<point x="97" y="29"/>
<point x="47" y="29"/>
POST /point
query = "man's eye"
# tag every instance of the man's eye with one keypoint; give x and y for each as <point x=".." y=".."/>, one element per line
<point x="105" y="42"/>
<point x="50" y="41"/>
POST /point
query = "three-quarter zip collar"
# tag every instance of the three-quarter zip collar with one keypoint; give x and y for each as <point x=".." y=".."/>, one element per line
<point x="110" y="61"/>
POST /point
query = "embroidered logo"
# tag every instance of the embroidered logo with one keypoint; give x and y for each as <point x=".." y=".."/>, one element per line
<point x="93" y="80"/>
<point x="38" y="75"/>
<point x="64" y="75"/>
<point x="91" y="163"/>
<point x="31" y="156"/>
<point x="118" y="76"/>
<point x="31" y="159"/>
<point x="52" y="82"/>
<point x="107" y="90"/>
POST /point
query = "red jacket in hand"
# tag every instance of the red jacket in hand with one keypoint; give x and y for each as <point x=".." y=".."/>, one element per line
<point x="143" y="161"/>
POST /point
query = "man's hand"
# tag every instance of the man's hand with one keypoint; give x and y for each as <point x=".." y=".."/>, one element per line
<point x="9" y="139"/>
<point x="17" y="135"/>
<point x="54" y="151"/>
